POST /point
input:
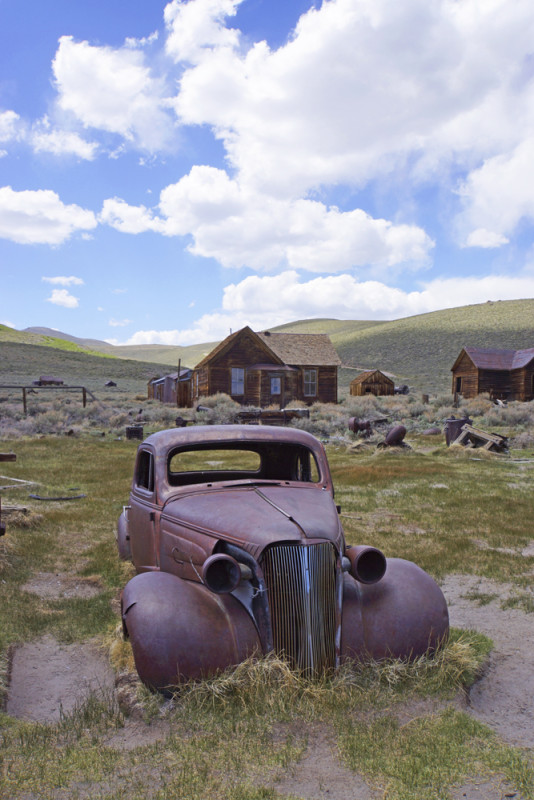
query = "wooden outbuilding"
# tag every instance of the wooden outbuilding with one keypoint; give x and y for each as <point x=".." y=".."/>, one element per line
<point x="372" y="382"/>
<point x="264" y="369"/>
<point x="503" y="374"/>
<point x="168" y="389"/>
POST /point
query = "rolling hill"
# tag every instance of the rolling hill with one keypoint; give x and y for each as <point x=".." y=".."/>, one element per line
<point x="418" y="350"/>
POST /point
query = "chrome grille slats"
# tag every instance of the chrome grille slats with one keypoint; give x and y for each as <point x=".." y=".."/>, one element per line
<point x="301" y="587"/>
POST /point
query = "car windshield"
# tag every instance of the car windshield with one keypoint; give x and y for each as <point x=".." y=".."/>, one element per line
<point x="251" y="461"/>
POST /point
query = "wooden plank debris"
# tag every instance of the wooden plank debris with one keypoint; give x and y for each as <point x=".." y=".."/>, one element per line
<point x="474" y="437"/>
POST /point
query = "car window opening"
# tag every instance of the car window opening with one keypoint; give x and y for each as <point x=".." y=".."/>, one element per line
<point x="212" y="464"/>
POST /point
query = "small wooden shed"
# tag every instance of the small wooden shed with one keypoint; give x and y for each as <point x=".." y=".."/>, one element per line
<point x="372" y="382"/>
<point x="503" y="374"/>
<point x="168" y="389"/>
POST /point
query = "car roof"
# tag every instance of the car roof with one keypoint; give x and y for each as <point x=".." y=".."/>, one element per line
<point x="217" y="434"/>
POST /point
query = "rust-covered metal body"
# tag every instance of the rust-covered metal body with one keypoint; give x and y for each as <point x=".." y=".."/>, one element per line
<point x="239" y="550"/>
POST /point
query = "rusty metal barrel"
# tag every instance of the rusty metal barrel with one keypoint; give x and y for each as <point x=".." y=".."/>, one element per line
<point x="395" y="436"/>
<point x="453" y="428"/>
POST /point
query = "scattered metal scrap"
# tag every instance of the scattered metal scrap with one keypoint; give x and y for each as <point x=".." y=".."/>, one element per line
<point x="365" y="426"/>
<point x="67" y="497"/>
<point x="272" y="417"/>
<point x="14" y="485"/>
<point x="259" y="416"/>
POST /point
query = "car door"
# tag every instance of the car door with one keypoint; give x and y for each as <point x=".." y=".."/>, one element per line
<point x="143" y="512"/>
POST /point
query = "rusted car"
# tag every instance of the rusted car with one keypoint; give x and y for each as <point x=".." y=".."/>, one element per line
<point x="239" y="550"/>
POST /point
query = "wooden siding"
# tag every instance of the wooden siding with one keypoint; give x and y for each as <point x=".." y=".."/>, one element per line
<point x="465" y="377"/>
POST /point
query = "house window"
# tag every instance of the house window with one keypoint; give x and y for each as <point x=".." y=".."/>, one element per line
<point x="238" y="381"/>
<point x="276" y="386"/>
<point x="310" y="382"/>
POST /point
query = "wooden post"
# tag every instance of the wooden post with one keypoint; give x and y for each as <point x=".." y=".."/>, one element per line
<point x="84" y="395"/>
<point x="24" y="399"/>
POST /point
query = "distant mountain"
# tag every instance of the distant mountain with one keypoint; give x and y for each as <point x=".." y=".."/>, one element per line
<point x="153" y="353"/>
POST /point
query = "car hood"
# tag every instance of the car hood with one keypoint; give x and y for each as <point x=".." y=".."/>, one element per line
<point x="258" y="515"/>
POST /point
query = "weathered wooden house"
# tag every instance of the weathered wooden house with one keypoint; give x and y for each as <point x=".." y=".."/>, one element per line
<point x="503" y="374"/>
<point x="168" y="389"/>
<point x="372" y="382"/>
<point x="263" y="369"/>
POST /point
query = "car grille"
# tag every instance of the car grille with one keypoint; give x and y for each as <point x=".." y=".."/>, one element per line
<point x="301" y="588"/>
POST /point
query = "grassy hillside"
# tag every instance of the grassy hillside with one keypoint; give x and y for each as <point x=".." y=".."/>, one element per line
<point x="421" y="350"/>
<point x="329" y="326"/>
<point x="43" y="337"/>
<point x="23" y="363"/>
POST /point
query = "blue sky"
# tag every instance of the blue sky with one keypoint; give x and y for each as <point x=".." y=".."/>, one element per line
<point x="173" y="171"/>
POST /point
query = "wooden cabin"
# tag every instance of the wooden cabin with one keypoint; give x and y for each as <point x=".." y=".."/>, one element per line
<point x="168" y="389"/>
<point x="372" y="382"/>
<point x="264" y="369"/>
<point x="503" y="374"/>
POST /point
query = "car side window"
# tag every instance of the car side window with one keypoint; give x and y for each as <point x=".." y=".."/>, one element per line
<point x="145" y="471"/>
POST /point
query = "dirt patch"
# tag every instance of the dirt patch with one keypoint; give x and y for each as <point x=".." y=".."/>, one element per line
<point x="48" y="679"/>
<point x="503" y="697"/>
<point x="56" y="586"/>
<point x="320" y="776"/>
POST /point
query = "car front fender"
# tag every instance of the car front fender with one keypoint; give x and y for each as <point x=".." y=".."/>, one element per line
<point x="404" y="615"/>
<point x="180" y="630"/>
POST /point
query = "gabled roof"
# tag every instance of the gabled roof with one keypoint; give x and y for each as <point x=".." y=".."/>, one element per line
<point x="493" y="359"/>
<point x="294" y="349"/>
<point x="302" y="349"/>
<point x="363" y="376"/>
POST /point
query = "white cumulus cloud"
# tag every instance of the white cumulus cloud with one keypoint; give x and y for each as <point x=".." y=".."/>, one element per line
<point x="498" y="195"/>
<point x="112" y="90"/>
<point x="359" y="88"/>
<point x="62" y="297"/>
<point x="241" y="228"/>
<point x="63" y="280"/>
<point x="63" y="143"/>
<point x="10" y="126"/>
<point x="39" y="217"/>
<point x="264" y="302"/>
